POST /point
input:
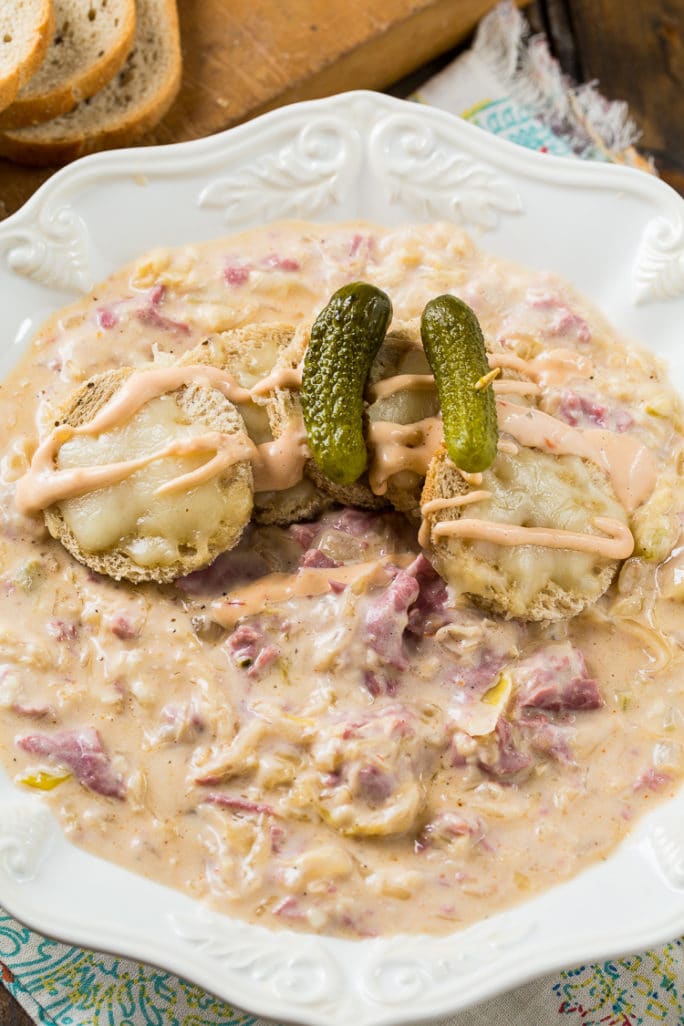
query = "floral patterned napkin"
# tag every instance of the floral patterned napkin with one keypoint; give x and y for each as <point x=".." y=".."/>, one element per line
<point x="64" y="986"/>
<point x="512" y="87"/>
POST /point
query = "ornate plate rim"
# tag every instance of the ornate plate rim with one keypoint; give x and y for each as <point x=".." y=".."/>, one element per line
<point x="48" y="248"/>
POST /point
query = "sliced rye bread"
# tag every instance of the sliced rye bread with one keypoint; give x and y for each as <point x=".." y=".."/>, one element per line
<point x="402" y="353"/>
<point x="357" y="494"/>
<point x="89" y="45"/>
<point x="473" y="569"/>
<point x="130" y="105"/>
<point x="250" y="354"/>
<point x="403" y="489"/>
<point x="199" y="404"/>
<point x="25" y="33"/>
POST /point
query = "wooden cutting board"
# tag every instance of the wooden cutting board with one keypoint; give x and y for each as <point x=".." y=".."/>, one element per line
<point x="243" y="57"/>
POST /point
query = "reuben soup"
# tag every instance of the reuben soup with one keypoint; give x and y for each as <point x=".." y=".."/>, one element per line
<point x="266" y="637"/>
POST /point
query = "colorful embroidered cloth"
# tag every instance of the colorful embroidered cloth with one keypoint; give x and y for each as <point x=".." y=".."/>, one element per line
<point x="511" y="87"/>
<point x="64" y="986"/>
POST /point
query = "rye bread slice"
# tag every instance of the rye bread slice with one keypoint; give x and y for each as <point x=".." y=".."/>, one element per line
<point x="25" y="32"/>
<point x="287" y="406"/>
<point x="456" y="559"/>
<point x="201" y="405"/>
<point x="89" y="45"/>
<point x="131" y="104"/>
<point x="403" y="489"/>
<point x="401" y="344"/>
<point x="248" y="354"/>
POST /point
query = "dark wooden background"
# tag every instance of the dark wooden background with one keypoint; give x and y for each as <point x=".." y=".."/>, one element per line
<point x="635" y="49"/>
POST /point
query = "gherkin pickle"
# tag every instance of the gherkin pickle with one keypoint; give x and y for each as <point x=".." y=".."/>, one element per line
<point x="455" y="349"/>
<point x="345" y="339"/>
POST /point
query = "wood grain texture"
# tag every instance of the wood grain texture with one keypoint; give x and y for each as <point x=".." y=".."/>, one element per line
<point x="636" y="52"/>
<point x="554" y="19"/>
<point x="12" y="1014"/>
<point x="249" y="56"/>
<point x="244" y="57"/>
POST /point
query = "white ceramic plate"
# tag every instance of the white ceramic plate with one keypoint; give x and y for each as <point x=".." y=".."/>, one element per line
<point x="618" y="235"/>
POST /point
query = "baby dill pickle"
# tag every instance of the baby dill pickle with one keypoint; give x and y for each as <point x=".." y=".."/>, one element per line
<point x="454" y="345"/>
<point x="345" y="339"/>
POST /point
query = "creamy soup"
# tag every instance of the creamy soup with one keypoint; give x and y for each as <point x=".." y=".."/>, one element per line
<point x="317" y="731"/>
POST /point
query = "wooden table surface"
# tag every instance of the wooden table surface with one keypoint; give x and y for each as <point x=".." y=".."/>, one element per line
<point x="636" y="51"/>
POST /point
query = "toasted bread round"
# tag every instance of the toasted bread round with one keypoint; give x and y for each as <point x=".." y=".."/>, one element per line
<point x="286" y="407"/>
<point x="127" y="530"/>
<point x="530" y="489"/>
<point x="356" y="494"/>
<point x="304" y="501"/>
<point x="402" y="353"/>
<point x="250" y="354"/>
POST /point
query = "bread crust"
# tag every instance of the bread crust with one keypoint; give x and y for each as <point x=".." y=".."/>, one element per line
<point x="62" y="140"/>
<point x="21" y="72"/>
<point x="357" y="494"/>
<point x="35" y="107"/>
<point x="201" y="405"/>
<point x="293" y="506"/>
